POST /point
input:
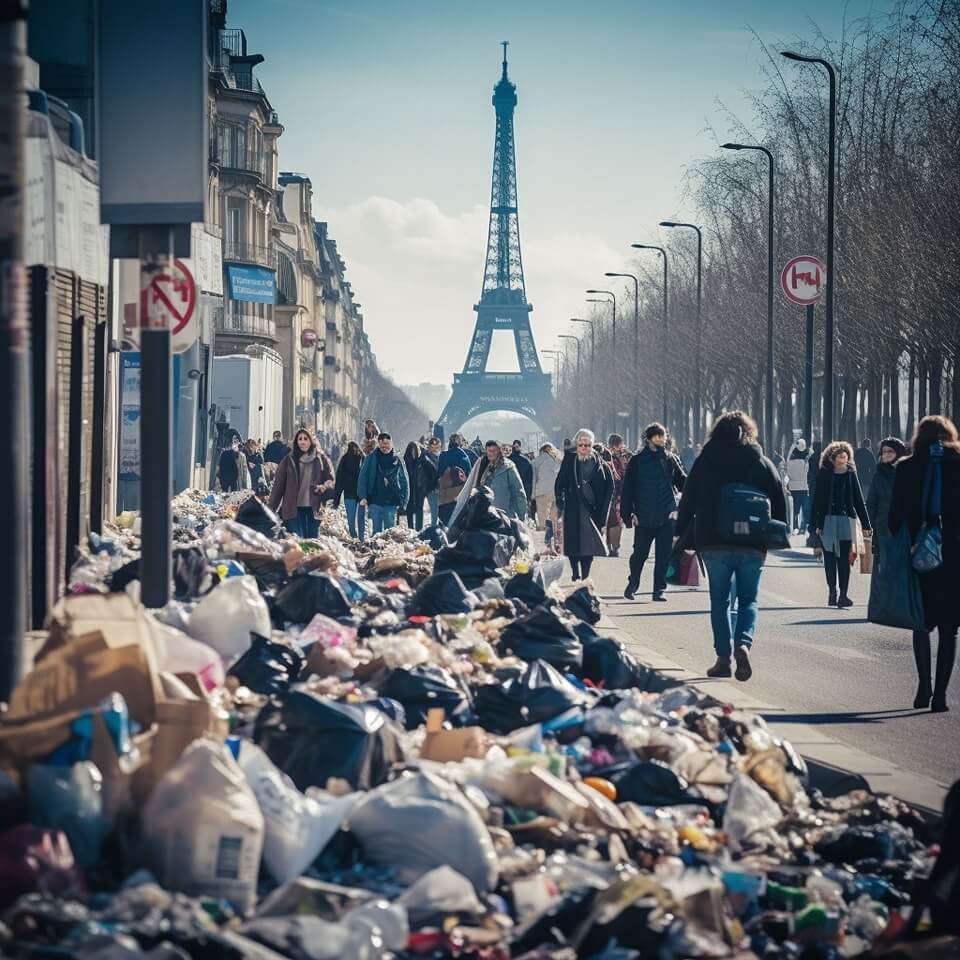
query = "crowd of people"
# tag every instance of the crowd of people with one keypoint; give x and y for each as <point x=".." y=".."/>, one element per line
<point x="727" y="502"/>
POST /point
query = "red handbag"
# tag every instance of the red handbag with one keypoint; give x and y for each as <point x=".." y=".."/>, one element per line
<point x="689" y="573"/>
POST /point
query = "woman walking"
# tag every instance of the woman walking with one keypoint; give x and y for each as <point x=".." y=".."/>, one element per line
<point x="619" y="458"/>
<point x="498" y="472"/>
<point x="303" y="476"/>
<point x="348" y="472"/>
<point x="583" y="492"/>
<point x="837" y="507"/>
<point x="412" y="457"/>
<point x="254" y="463"/>
<point x="545" y="470"/>
<point x="934" y="465"/>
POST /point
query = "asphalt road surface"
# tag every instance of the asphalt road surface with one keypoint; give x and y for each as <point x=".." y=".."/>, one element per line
<point x="824" y="667"/>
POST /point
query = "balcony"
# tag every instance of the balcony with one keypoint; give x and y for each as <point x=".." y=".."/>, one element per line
<point x="230" y="157"/>
<point x="240" y="323"/>
<point x="235" y="252"/>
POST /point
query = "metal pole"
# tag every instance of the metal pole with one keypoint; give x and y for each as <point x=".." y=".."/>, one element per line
<point x="698" y="385"/>
<point x="14" y="402"/>
<point x="663" y="358"/>
<point x="828" y="316"/>
<point x="768" y="413"/>
<point x="636" y="361"/>
<point x="808" y="378"/>
<point x="156" y="485"/>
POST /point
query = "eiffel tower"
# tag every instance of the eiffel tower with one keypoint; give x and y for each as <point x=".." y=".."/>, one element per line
<point x="503" y="300"/>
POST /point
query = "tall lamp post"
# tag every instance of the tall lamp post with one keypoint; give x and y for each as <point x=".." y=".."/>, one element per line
<point x="768" y="405"/>
<point x="666" y="314"/>
<point x="613" y="334"/>
<point x="636" y="351"/>
<point x="570" y="336"/>
<point x="698" y="340"/>
<point x="831" y="183"/>
<point x="593" y="351"/>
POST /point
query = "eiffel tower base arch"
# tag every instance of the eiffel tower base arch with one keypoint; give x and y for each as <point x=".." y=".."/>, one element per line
<point x="492" y="393"/>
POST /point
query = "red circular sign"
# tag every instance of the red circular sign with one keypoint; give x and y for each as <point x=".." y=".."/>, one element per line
<point x="169" y="299"/>
<point x="802" y="278"/>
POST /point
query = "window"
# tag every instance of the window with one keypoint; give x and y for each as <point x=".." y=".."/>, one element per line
<point x="233" y="224"/>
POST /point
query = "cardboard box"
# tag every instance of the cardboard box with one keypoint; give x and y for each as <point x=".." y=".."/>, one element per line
<point x="452" y="745"/>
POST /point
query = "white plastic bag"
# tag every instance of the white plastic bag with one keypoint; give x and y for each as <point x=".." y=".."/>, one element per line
<point x="750" y="814"/>
<point x="228" y="614"/>
<point x="179" y="653"/>
<point x="203" y="829"/>
<point x="297" y="827"/>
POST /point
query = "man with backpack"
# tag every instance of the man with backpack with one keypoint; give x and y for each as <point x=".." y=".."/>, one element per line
<point x="453" y="467"/>
<point x="735" y="501"/>
<point x="383" y="485"/>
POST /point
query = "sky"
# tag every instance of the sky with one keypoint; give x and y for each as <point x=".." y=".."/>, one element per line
<point x="386" y="107"/>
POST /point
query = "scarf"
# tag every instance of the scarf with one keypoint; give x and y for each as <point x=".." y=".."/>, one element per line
<point x="490" y="469"/>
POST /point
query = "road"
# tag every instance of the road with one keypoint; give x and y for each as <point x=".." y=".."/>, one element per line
<point x="823" y="667"/>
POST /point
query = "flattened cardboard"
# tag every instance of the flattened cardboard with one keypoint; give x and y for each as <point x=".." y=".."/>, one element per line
<point x="444" y="746"/>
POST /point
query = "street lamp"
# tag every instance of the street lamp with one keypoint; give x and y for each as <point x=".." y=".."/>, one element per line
<point x="613" y="298"/>
<point x="593" y="342"/>
<point x="636" y="347"/>
<point x="570" y="336"/>
<point x="663" y="366"/>
<point x="556" y="369"/>
<point x="827" y="430"/>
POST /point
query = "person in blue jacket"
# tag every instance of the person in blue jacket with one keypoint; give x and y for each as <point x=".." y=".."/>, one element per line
<point x="383" y="486"/>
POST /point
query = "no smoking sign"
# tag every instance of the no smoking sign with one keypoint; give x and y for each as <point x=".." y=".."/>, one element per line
<point x="169" y="301"/>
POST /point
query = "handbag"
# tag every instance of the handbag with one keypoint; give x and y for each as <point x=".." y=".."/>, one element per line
<point x="866" y="556"/>
<point x="895" y="597"/>
<point x="928" y="547"/>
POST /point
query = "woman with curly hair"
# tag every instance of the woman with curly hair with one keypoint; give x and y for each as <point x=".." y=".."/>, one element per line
<point x="837" y="506"/>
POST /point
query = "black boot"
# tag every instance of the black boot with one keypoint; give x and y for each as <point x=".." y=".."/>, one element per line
<point x="832" y="599"/>
<point x="946" y="654"/>
<point x="921" y="654"/>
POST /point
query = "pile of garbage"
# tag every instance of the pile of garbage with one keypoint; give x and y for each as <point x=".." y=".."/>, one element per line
<point x="414" y="746"/>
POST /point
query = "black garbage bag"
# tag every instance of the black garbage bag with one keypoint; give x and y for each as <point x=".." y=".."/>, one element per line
<point x="192" y="575"/>
<point x="475" y="556"/>
<point x="540" y="693"/>
<point x="423" y="687"/>
<point x="270" y="572"/>
<point x="268" y="667"/>
<point x="441" y="592"/>
<point x="652" y="783"/>
<point x="526" y="588"/>
<point x="122" y="576"/>
<point x="434" y="535"/>
<point x="310" y="594"/>
<point x="608" y="665"/>
<point x="256" y="515"/>
<point x="585" y="604"/>
<point x="479" y="513"/>
<point x="312" y="738"/>
<point x="542" y="634"/>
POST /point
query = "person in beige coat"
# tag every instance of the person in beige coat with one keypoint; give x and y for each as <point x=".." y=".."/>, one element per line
<point x="303" y="477"/>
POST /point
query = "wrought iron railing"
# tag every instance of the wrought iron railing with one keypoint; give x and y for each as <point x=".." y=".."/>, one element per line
<point x="235" y="252"/>
<point x="237" y="322"/>
<point x="231" y="157"/>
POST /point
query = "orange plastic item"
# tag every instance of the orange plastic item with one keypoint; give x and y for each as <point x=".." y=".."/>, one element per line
<point x="602" y="786"/>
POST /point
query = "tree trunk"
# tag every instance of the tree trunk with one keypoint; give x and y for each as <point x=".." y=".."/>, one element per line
<point x="955" y="392"/>
<point x="922" y="388"/>
<point x="911" y="392"/>
<point x="936" y="384"/>
<point x="895" y="428"/>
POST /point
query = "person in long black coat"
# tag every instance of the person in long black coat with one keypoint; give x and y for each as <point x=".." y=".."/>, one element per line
<point x="941" y="587"/>
<point x="583" y="491"/>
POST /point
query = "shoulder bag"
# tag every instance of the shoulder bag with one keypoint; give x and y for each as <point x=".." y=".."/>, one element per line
<point x="928" y="547"/>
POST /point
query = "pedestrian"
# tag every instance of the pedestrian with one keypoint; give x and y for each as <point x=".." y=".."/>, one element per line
<point x="302" y="478"/>
<point x="474" y="451"/>
<point x="651" y="485"/>
<point x="730" y="461"/>
<point x="583" y="491"/>
<point x="348" y="473"/>
<point x="619" y="459"/>
<point x="276" y="449"/>
<point x="866" y="464"/>
<point x="524" y="468"/>
<point x="545" y="470"/>
<point x="813" y="469"/>
<point x="414" y="507"/>
<point x="936" y="450"/>
<point x="231" y="467"/>
<point x="430" y="477"/>
<point x="254" y="463"/>
<point x="837" y="508"/>
<point x="797" y="480"/>
<point x="498" y="472"/>
<point x="892" y="449"/>
<point x="383" y="485"/>
<point x="454" y="468"/>
<point x="370" y="433"/>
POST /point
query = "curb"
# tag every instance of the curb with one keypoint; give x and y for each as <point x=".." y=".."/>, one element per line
<point x="834" y="767"/>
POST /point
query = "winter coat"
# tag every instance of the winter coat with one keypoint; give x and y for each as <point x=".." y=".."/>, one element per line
<point x="545" y="470"/>
<point x="229" y="469"/>
<point x="286" y="484"/>
<point x="348" y="472"/>
<point x="254" y="467"/>
<point x="941" y="588"/>
<point x="451" y="460"/>
<point x="383" y="480"/>
<point x="507" y="487"/>
<point x="847" y="501"/>
<point x="412" y="466"/>
<point x="275" y="451"/>
<point x="578" y="502"/>
<point x="866" y="464"/>
<point x="618" y="467"/>
<point x="428" y="475"/>
<point x="525" y="469"/>
<point x="719" y="464"/>
<point x="797" y="469"/>
<point x="650" y="487"/>
<point x="879" y="497"/>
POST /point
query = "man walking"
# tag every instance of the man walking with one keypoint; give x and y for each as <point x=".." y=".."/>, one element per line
<point x="232" y="467"/>
<point x="383" y="485"/>
<point x="649" y="503"/>
<point x="866" y="464"/>
<point x="276" y="449"/>
<point x="797" y="480"/>
<point x="524" y="468"/>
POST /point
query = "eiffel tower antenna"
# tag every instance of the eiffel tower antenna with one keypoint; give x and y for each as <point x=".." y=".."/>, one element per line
<point x="503" y="297"/>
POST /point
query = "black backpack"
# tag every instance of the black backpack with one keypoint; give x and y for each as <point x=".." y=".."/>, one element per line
<point x="743" y="516"/>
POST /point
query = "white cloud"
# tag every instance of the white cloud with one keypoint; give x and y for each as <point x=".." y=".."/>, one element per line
<point x="417" y="271"/>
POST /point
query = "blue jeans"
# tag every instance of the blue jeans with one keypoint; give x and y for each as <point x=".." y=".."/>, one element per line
<point x="800" y="508"/>
<point x="722" y="567"/>
<point x="304" y="524"/>
<point x="356" y="518"/>
<point x="382" y="516"/>
<point x="433" y="502"/>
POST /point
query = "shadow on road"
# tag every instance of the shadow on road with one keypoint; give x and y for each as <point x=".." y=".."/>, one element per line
<point x="827" y="623"/>
<point x="854" y="716"/>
